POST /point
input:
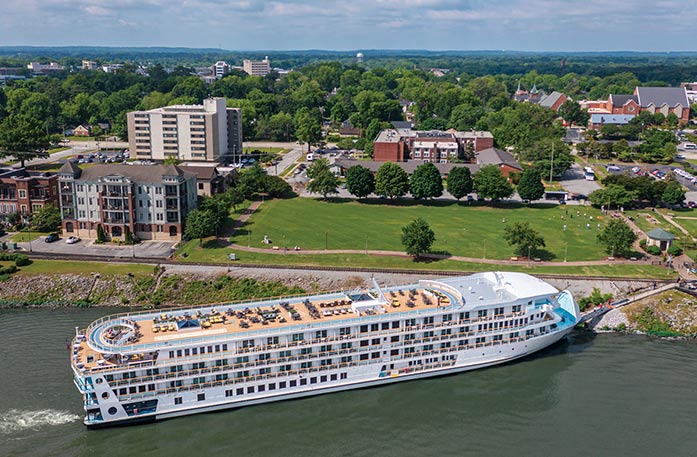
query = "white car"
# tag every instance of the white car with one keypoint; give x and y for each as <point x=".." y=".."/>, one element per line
<point x="72" y="240"/>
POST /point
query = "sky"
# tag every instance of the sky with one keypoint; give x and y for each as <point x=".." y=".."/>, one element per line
<point x="522" y="25"/>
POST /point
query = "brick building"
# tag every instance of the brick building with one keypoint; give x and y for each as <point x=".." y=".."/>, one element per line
<point x="24" y="192"/>
<point x="150" y="201"/>
<point x="400" y="145"/>
<point x="663" y="100"/>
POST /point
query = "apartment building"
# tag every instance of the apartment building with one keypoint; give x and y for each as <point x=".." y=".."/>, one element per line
<point x="257" y="67"/>
<point x="400" y="145"/>
<point x="210" y="132"/>
<point x="149" y="201"/>
<point x="24" y="192"/>
<point x="220" y="69"/>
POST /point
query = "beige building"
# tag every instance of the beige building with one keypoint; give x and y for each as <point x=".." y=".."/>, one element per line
<point x="206" y="133"/>
<point x="150" y="201"/>
<point x="257" y="67"/>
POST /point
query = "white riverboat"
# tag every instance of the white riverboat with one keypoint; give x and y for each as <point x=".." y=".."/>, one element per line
<point x="146" y="366"/>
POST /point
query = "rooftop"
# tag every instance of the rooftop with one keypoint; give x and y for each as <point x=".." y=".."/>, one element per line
<point x="660" y="235"/>
<point x="659" y="96"/>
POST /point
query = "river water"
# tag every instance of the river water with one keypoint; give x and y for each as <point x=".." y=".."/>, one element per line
<point x="590" y="395"/>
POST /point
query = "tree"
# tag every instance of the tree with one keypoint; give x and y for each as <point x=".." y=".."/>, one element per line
<point x="308" y="128"/>
<point x="277" y="187"/>
<point x="617" y="237"/>
<point x="530" y="186"/>
<point x="391" y="180"/>
<point x="460" y="182"/>
<point x="572" y="113"/>
<point x="317" y="167"/>
<point x="360" y="181"/>
<point x="674" y="194"/>
<point x="613" y="195"/>
<point x="46" y="219"/>
<point x="417" y="237"/>
<point x="426" y="182"/>
<point x="23" y="137"/>
<point x="324" y="183"/>
<point x="525" y="239"/>
<point x="199" y="224"/>
<point x="489" y="182"/>
<point x="101" y="235"/>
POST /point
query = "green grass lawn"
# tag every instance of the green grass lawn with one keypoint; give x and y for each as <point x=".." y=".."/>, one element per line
<point x="688" y="224"/>
<point x="460" y="229"/>
<point x="218" y="254"/>
<point x="49" y="267"/>
<point x="23" y="237"/>
<point x="59" y="149"/>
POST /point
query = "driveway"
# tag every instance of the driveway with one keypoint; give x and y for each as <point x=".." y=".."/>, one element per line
<point x="154" y="249"/>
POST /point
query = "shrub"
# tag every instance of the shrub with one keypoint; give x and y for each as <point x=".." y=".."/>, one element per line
<point x="653" y="250"/>
<point x="642" y="244"/>
<point x="675" y="250"/>
<point x="22" y="260"/>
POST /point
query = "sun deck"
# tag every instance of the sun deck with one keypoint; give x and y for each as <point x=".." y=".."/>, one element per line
<point x="138" y="333"/>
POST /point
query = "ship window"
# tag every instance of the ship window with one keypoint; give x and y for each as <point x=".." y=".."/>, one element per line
<point x="194" y="351"/>
<point x="179" y="353"/>
<point x="428" y="320"/>
<point x="298" y="337"/>
<point x="481" y="313"/>
<point x="203" y="349"/>
<point x="122" y="391"/>
<point x="303" y="382"/>
<point x="313" y="380"/>
<point x="395" y="324"/>
<point x="272" y="386"/>
<point x="364" y="343"/>
<point x="151" y="387"/>
<point x="394" y="339"/>
<point x="272" y="340"/>
<point x="385" y="326"/>
<point x="250" y="389"/>
<point x="109" y="377"/>
<point x="396" y="351"/>
<point x="228" y="393"/>
<point x="447" y="317"/>
<point x="333" y="377"/>
<point x="364" y="328"/>
<point x="131" y="390"/>
<point x="112" y="411"/>
<point x="364" y="356"/>
<point x="375" y="341"/>
<point x="282" y="385"/>
<point x="201" y="397"/>
<point x="321" y="334"/>
<point x="105" y="395"/>
<point x="217" y="348"/>
<point x="240" y="391"/>
<point x="186" y="352"/>
<point x="210" y="349"/>
<point x="262" y="388"/>
<point x="373" y="327"/>
<point x="177" y="400"/>
<point x="224" y="347"/>
<point x="293" y="383"/>
<point x="323" y="378"/>
<point x="345" y="331"/>
<point x="374" y="355"/>
<point x="344" y="375"/>
<point x="141" y="389"/>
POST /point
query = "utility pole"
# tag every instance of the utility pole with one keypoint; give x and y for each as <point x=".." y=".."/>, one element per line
<point x="551" y="166"/>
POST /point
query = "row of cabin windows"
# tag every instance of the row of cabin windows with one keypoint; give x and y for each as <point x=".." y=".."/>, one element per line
<point x="271" y="386"/>
<point x="274" y="340"/>
<point x="197" y="351"/>
<point x="134" y="389"/>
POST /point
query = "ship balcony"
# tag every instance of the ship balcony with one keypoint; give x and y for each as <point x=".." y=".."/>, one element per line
<point x="93" y="417"/>
<point x="84" y="385"/>
<point x="90" y="400"/>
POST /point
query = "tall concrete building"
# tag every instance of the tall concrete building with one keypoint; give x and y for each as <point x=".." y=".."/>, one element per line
<point x="210" y="132"/>
<point x="220" y="68"/>
<point x="150" y="201"/>
<point x="257" y="67"/>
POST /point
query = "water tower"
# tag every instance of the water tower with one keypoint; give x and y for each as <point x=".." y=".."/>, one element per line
<point x="359" y="57"/>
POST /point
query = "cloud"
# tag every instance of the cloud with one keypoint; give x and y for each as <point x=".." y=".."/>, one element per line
<point x="348" y="24"/>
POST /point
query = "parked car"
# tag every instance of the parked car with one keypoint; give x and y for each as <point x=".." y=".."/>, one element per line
<point x="612" y="167"/>
<point x="72" y="239"/>
<point x="51" y="238"/>
<point x="692" y="204"/>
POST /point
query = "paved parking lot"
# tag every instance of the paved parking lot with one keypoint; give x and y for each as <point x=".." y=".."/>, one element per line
<point x="155" y="249"/>
<point x="636" y="170"/>
<point x="573" y="181"/>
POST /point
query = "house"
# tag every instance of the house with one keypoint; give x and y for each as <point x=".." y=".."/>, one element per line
<point x="503" y="159"/>
<point x="24" y="192"/>
<point x="81" y="130"/>
<point x="149" y="201"/>
<point x="553" y="100"/>
<point x="209" y="181"/>
<point x="348" y="129"/>
<point x="522" y="95"/>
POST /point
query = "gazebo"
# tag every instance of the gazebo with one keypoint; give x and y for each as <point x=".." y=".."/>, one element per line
<point x="659" y="237"/>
